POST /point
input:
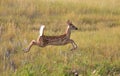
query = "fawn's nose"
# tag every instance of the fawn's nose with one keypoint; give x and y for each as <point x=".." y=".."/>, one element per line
<point x="76" y="28"/>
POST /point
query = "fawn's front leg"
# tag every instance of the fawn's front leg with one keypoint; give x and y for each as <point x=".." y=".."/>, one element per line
<point x="73" y="44"/>
<point x="33" y="42"/>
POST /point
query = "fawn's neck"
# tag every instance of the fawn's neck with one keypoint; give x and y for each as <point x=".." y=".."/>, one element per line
<point x="68" y="32"/>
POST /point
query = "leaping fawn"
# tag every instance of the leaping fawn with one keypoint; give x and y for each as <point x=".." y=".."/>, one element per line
<point x="43" y="40"/>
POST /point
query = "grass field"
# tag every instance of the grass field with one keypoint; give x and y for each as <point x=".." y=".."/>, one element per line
<point x="98" y="37"/>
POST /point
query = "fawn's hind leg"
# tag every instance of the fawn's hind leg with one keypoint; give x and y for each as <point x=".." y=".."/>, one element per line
<point x="33" y="42"/>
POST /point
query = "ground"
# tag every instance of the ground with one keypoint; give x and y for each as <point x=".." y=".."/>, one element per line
<point x="97" y="37"/>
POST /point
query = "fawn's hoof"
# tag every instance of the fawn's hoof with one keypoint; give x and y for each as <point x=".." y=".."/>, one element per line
<point x="26" y="50"/>
<point x="72" y="49"/>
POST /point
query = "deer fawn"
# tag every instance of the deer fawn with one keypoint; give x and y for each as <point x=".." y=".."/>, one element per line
<point x="43" y="40"/>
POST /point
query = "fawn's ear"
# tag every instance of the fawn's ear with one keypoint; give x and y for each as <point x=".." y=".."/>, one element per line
<point x="69" y="22"/>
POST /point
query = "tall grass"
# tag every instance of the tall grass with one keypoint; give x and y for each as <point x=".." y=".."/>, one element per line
<point x="98" y="37"/>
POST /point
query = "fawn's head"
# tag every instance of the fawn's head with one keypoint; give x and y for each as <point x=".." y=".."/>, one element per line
<point x="71" y="26"/>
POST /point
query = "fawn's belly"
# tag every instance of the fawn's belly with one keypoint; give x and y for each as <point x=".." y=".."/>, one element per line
<point x="58" y="42"/>
<point x="54" y="43"/>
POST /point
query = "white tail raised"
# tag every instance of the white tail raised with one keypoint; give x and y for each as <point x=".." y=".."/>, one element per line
<point x="41" y="30"/>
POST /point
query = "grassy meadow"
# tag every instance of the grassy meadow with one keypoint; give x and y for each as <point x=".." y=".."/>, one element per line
<point x="97" y="37"/>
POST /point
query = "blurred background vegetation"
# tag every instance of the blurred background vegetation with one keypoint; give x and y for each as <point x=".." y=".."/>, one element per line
<point x="98" y="37"/>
